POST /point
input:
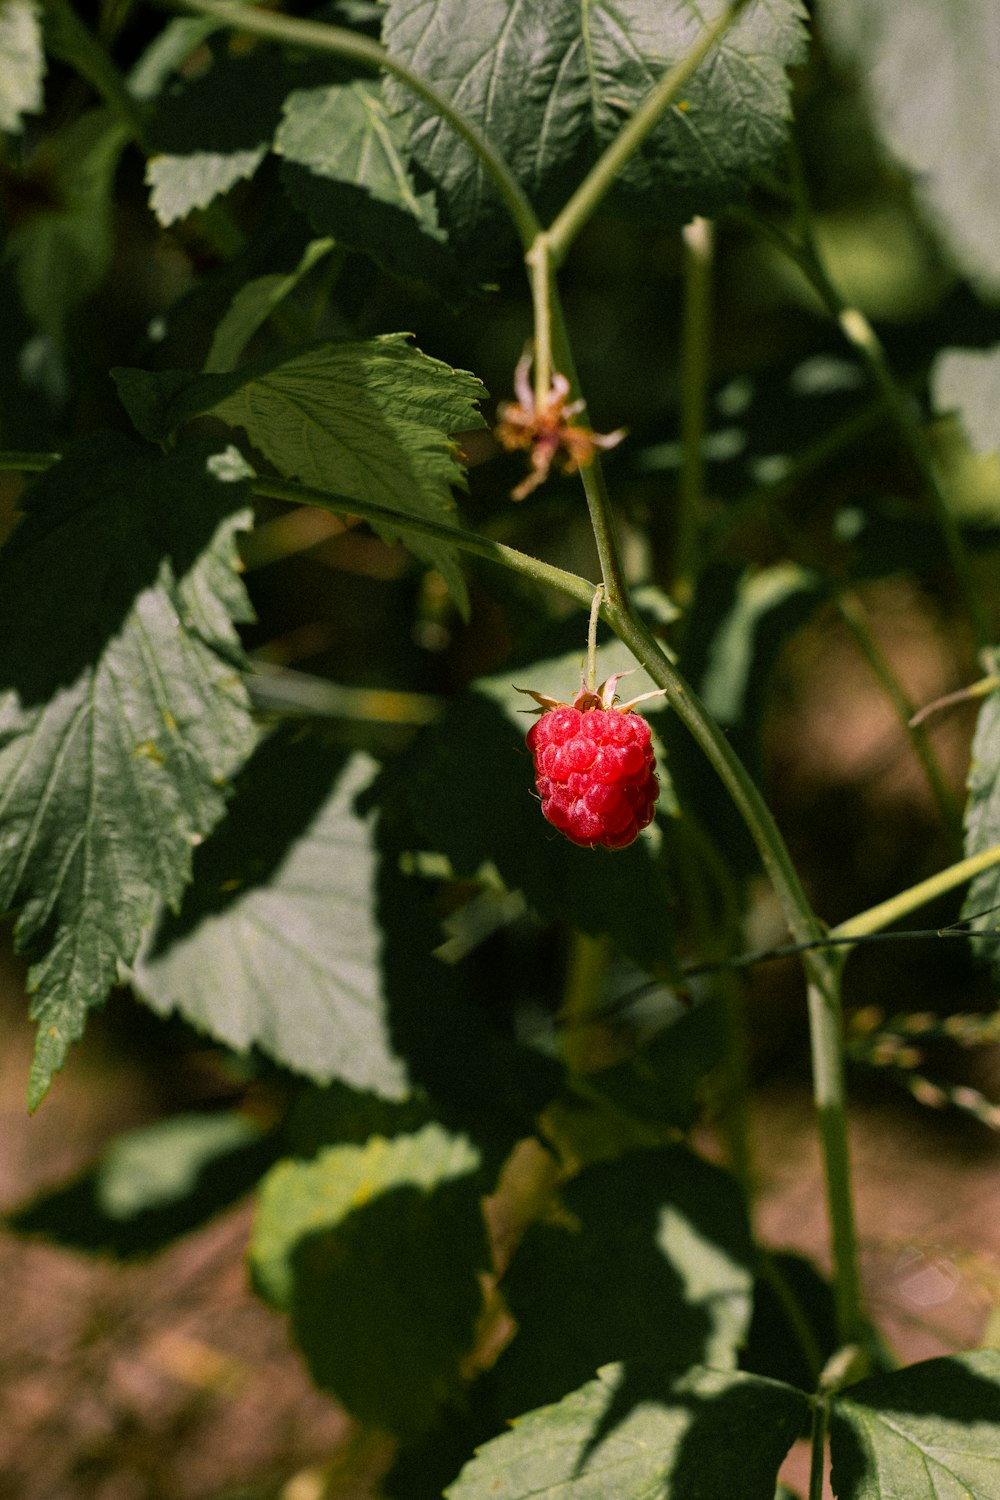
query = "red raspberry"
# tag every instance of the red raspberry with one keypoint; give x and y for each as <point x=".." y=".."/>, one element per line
<point x="594" y="769"/>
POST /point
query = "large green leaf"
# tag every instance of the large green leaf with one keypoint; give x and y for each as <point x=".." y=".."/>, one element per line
<point x="276" y="944"/>
<point x="122" y="709"/>
<point x="550" y="82"/>
<point x="62" y="253"/>
<point x="929" y="1432"/>
<point x="376" y="1251"/>
<point x="22" y="62"/>
<point x="345" y="166"/>
<point x="214" y="130"/>
<point x="369" y="420"/>
<point x="930" y="72"/>
<point x="653" y="1261"/>
<point x="179" y="184"/>
<point x="636" y="1434"/>
<point x="982" y="824"/>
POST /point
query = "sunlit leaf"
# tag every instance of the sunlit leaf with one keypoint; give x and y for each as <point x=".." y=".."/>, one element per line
<point x="122" y="714"/>
<point x="929" y="1432"/>
<point x="22" y="62"/>
<point x="376" y="1252"/>
<point x="638" y="1434"/>
<point x="214" y="130"/>
<point x="345" y="132"/>
<point x="182" y="183"/>
<point x="550" y="83"/>
<point x="368" y="420"/>
<point x="152" y="1184"/>
<point x="967" y="381"/>
<point x="276" y="945"/>
<point x="346" y="167"/>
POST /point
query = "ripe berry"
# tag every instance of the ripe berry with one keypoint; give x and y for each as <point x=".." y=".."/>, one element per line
<point x="594" y="768"/>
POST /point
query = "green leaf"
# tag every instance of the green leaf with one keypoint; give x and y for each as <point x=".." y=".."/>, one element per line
<point x="276" y="944"/>
<point x="929" y="73"/>
<point x="550" y="82"/>
<point x="153" y="1184"/>
<point x="22" y="62"/>
<point x="254" y="303"/>
<point x="929" y="1432"/>
<point x="345" y="132"/>
<point x="470" y="782"/>
<point x="168" y="51"/>
<point x="181" y="183"/>
<point x="345" y="166"/>
<point x="213" y="131"/>
<point x="967" y="381"/>
<point x="122" y="714"/>
<point x="635" y="1434"/>
<point x="744" y="641"/>
<point x="376" y="1251"/>
<point x="982" y="824"/>
<point x="652" y="1262"/>
<point x="62" y="253"/>
<point x="370" y="420"/>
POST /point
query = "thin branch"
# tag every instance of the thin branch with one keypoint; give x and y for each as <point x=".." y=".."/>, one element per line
<point x="602" y="176"/>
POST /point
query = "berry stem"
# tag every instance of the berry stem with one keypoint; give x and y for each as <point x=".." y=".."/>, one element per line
<point x="595" y="611"/>
<point x="823" y="969"/>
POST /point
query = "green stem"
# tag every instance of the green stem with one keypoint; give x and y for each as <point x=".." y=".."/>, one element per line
<point x="27" y="463"/>
<point x="817" y="1453"/>
<point x="602" y="518"/>
<point x="361" y="49"/>
<point x="896" y="907"/>
<point x="854" y="615"/>
<point x="695" y="341"/>
<point x="570" y="584"/>
<point x="595" y="610"/>
<point x="581" y="999"/>
<point x="542" y="295"/>
<point x="603" y="175"/>
<point x="822" y="968"/>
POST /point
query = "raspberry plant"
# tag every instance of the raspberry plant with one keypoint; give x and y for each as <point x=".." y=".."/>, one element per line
<point x="216" y="223"/>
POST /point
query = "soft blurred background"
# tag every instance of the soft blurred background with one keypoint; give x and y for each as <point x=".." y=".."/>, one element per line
<point x="161" y="1378"/>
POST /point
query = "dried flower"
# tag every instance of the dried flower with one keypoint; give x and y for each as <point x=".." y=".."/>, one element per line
<point x="547" y="430"/>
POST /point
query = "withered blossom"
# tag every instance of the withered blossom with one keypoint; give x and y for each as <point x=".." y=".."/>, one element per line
<point x="547" y="430"/>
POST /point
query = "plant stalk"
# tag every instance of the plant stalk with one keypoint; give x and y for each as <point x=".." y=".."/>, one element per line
<point x="896" y="907"/>
<point x="698" y="238"/>
<point x="602" y="176"/>
<point x="823" y="969"/>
